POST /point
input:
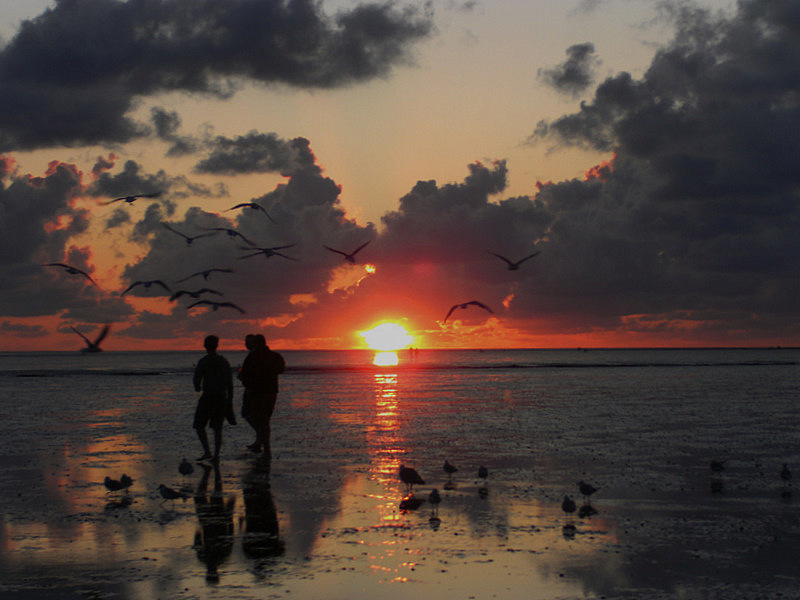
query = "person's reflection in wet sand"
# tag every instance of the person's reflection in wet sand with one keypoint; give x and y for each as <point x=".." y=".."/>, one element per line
<point x="213" y="541"/>
<point x="261" y="537"/>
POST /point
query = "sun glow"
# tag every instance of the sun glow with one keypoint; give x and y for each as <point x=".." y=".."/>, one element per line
<point x="387" y="337"/>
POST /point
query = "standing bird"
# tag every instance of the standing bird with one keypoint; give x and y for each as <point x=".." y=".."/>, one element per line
<point x="254" y="206"/>
<point x="189" y="238"/>
<point x="267" y="252"/>
<point x="216" y="305"/>
<point x="568" y="505"/>
<point x="466" y="305"/>
<point x="513" y="266"/>
<point x="449" y="469"/>
<point x="349" y="257"/>
<point x="410" y="476"/>
<point x="717" y="466"/>
<point x="94" y="346"/>
<point x="185" y="468"/>
<point x="205" y="274"/>
<point x="115" y="485"/>
<point x="167" y="493"/>
<point x="72" y="271"/>
<point x="131" y="199"/>
<point x="586" y="489"/>
<point x="435" y="499"/>
<point x="147" y="285"/>
<point x="483" y="473"/>
<point x="786" y="474"/>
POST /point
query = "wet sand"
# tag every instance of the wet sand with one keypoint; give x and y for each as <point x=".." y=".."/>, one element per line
<point x="323" y="519"/>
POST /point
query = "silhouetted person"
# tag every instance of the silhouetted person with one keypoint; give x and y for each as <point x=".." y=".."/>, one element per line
<point x="213" y="377"/>
<point x="213" y="541"/>
<point x="250" y="344"/>
<point x="259" y="375"/>
<point x="261" y="536"/>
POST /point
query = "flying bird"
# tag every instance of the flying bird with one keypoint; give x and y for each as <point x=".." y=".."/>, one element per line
<point x="205" y="274"/>
<point x="216" y="305"/>
<point x="196" y="294"/>
<point x="131" y="199"/>
<point x="185" y="468"/>
<point x="232" y="233"/>
<point x="466" y="305"/>
<point x="349" y="257"/>
<point x="147" y="285"/>
<point x="94" y="346"/>
<point x="115" y="485"/>
<point x="513" y="266"/>
<point x="254" y="206"/>
<point x="72" y="271"/>
<point x="189" y="238"/>
<point x="267" y="252"/>
<point x="410" y="476"/>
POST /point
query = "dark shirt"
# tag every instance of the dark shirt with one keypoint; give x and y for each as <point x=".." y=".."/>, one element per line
<point x="260" y="371"/>
<point x="213" y="376"/>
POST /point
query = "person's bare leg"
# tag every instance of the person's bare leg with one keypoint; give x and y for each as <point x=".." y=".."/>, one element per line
<point x="217" y="442"/>
<point x="201" y="433"/>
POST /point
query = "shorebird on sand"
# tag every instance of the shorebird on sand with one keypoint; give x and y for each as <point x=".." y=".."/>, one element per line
<point x="185" y="468"/>
<point x="435" y="499"/>
<point x="167" y="493"/>
<point x="410" y="476"/>
<point x="586" y="489"/>
<point x="115" y="485"/>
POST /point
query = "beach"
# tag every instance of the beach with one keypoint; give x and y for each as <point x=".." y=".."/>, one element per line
<point x="323" y="518"/>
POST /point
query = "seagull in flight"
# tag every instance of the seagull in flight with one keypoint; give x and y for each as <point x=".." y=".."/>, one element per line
<point x="189" y="238"/>
<point x="195" y="294"/>
<point x="231" y="233"/>
<point x="72" y="271"/>
<point x="349" y="257"/>
<point x="513" y="266"/>
<point x="216" y="305"/>
<point x="267" y="252"/>
<point x="147" y="285"/>
<point x="205" y="274"/>
<point x="465" y="305"/>
<point x="94" y="346"/>
<point x="132" y="199"/>
<point x="254" y="206"/>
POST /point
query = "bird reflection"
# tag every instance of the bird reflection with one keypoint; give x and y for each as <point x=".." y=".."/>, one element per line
<point x="213" y="541"/>
<point x="261" y="538"/>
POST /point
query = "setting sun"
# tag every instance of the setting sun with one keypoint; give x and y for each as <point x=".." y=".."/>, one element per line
<point x="387" y="337"/>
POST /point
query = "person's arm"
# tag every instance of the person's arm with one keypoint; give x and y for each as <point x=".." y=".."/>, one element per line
<point x="198" y="376"/>
<point x="229" y="380"/>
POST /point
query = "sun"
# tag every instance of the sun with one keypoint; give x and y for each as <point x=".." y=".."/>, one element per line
<point x="387" y="337"/>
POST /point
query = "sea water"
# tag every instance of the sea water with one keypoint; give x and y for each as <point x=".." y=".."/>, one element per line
<point x="641" y="425"/>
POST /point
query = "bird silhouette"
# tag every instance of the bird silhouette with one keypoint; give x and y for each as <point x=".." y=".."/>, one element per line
<point x="435" y="499"/>
<point x="147" y="285"/>
<point x="586" y="489"/>
<point x="717" y="466"/>
<point x="185" y="468"/>
<point x="786" y="474"/>
<point x="115" y="485"/>
<point x="231" y="233"/>
<point x="568" y="505"/>
<point x="348" y="256"/>
<point x="205" y="273"/>
<point x="193" y="294"/>
<point x="94" y="346"/>
<point x="410" y="477"/>
<point x="216" y="305"/>
<point x="267" y="252"/>
<point x="131" y="199"/>
<point x="189" y="238"/>
<point x="467" y="305"/>
<point x="483" y="473"/>
<point x="167" y="493"/>
<point x="72" y="271"/>
<point x="449" y="469"/>
<point x="254" y="206"/>
<point x="512" y="265"/>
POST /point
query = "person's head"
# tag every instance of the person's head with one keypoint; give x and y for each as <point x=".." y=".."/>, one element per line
<point x="260" y="341"/>
<point x="211" y="343"/>
<point x="249" y="341"/>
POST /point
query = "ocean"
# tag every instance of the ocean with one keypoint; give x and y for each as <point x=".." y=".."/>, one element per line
<point x="327" y="517"/>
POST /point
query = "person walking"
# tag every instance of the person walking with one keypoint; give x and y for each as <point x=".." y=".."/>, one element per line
<point x="212" y="377"/>
<point x="259" y="376"/>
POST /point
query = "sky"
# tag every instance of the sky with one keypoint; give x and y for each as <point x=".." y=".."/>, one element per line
<point x="641" y="154"/>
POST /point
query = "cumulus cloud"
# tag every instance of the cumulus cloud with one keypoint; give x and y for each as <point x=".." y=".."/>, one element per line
<point x="251" y="153"/>
<point x="72" y="75"/>
<point x="574" y="75"/>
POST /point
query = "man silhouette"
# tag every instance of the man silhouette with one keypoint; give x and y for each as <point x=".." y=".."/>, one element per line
<point x="212" y="377"/>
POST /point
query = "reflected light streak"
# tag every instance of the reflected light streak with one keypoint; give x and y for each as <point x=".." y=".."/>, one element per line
<point x="386" y="359"/>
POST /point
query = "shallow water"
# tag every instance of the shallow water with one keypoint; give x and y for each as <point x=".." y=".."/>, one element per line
<point x="323" y="519"/>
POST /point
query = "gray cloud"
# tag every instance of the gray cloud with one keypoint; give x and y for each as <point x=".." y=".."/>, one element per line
<point x="574" y="75"/>
<point x="72" y="75"/>
<point x="251" y="153"/>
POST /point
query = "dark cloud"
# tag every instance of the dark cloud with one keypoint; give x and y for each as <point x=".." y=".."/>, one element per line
<point x="20" y="330"/>
<point x="574" y="75"/>
<point x="251" y="153"/>
<point x="72" y="75"/>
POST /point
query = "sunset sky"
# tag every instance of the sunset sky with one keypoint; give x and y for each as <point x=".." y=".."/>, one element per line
<point x="648" y="151"/>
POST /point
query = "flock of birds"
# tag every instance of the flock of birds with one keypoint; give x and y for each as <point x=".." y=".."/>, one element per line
<point x="200" y="296"/>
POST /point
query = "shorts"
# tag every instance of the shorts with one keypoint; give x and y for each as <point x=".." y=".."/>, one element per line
<point x="211" y="410"/>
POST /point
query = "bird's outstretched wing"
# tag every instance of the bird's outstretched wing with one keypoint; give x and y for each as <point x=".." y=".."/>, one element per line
<point x="357" y="250"/>
<point x="335" y="250"/>
<point x="85" y="339"/>
<point x="103" y="334"/>
<point x="503" y="258"/>
<point x="255" y="206"/>
<point x="73" y="271"/>
<point x="479" y="304"/>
